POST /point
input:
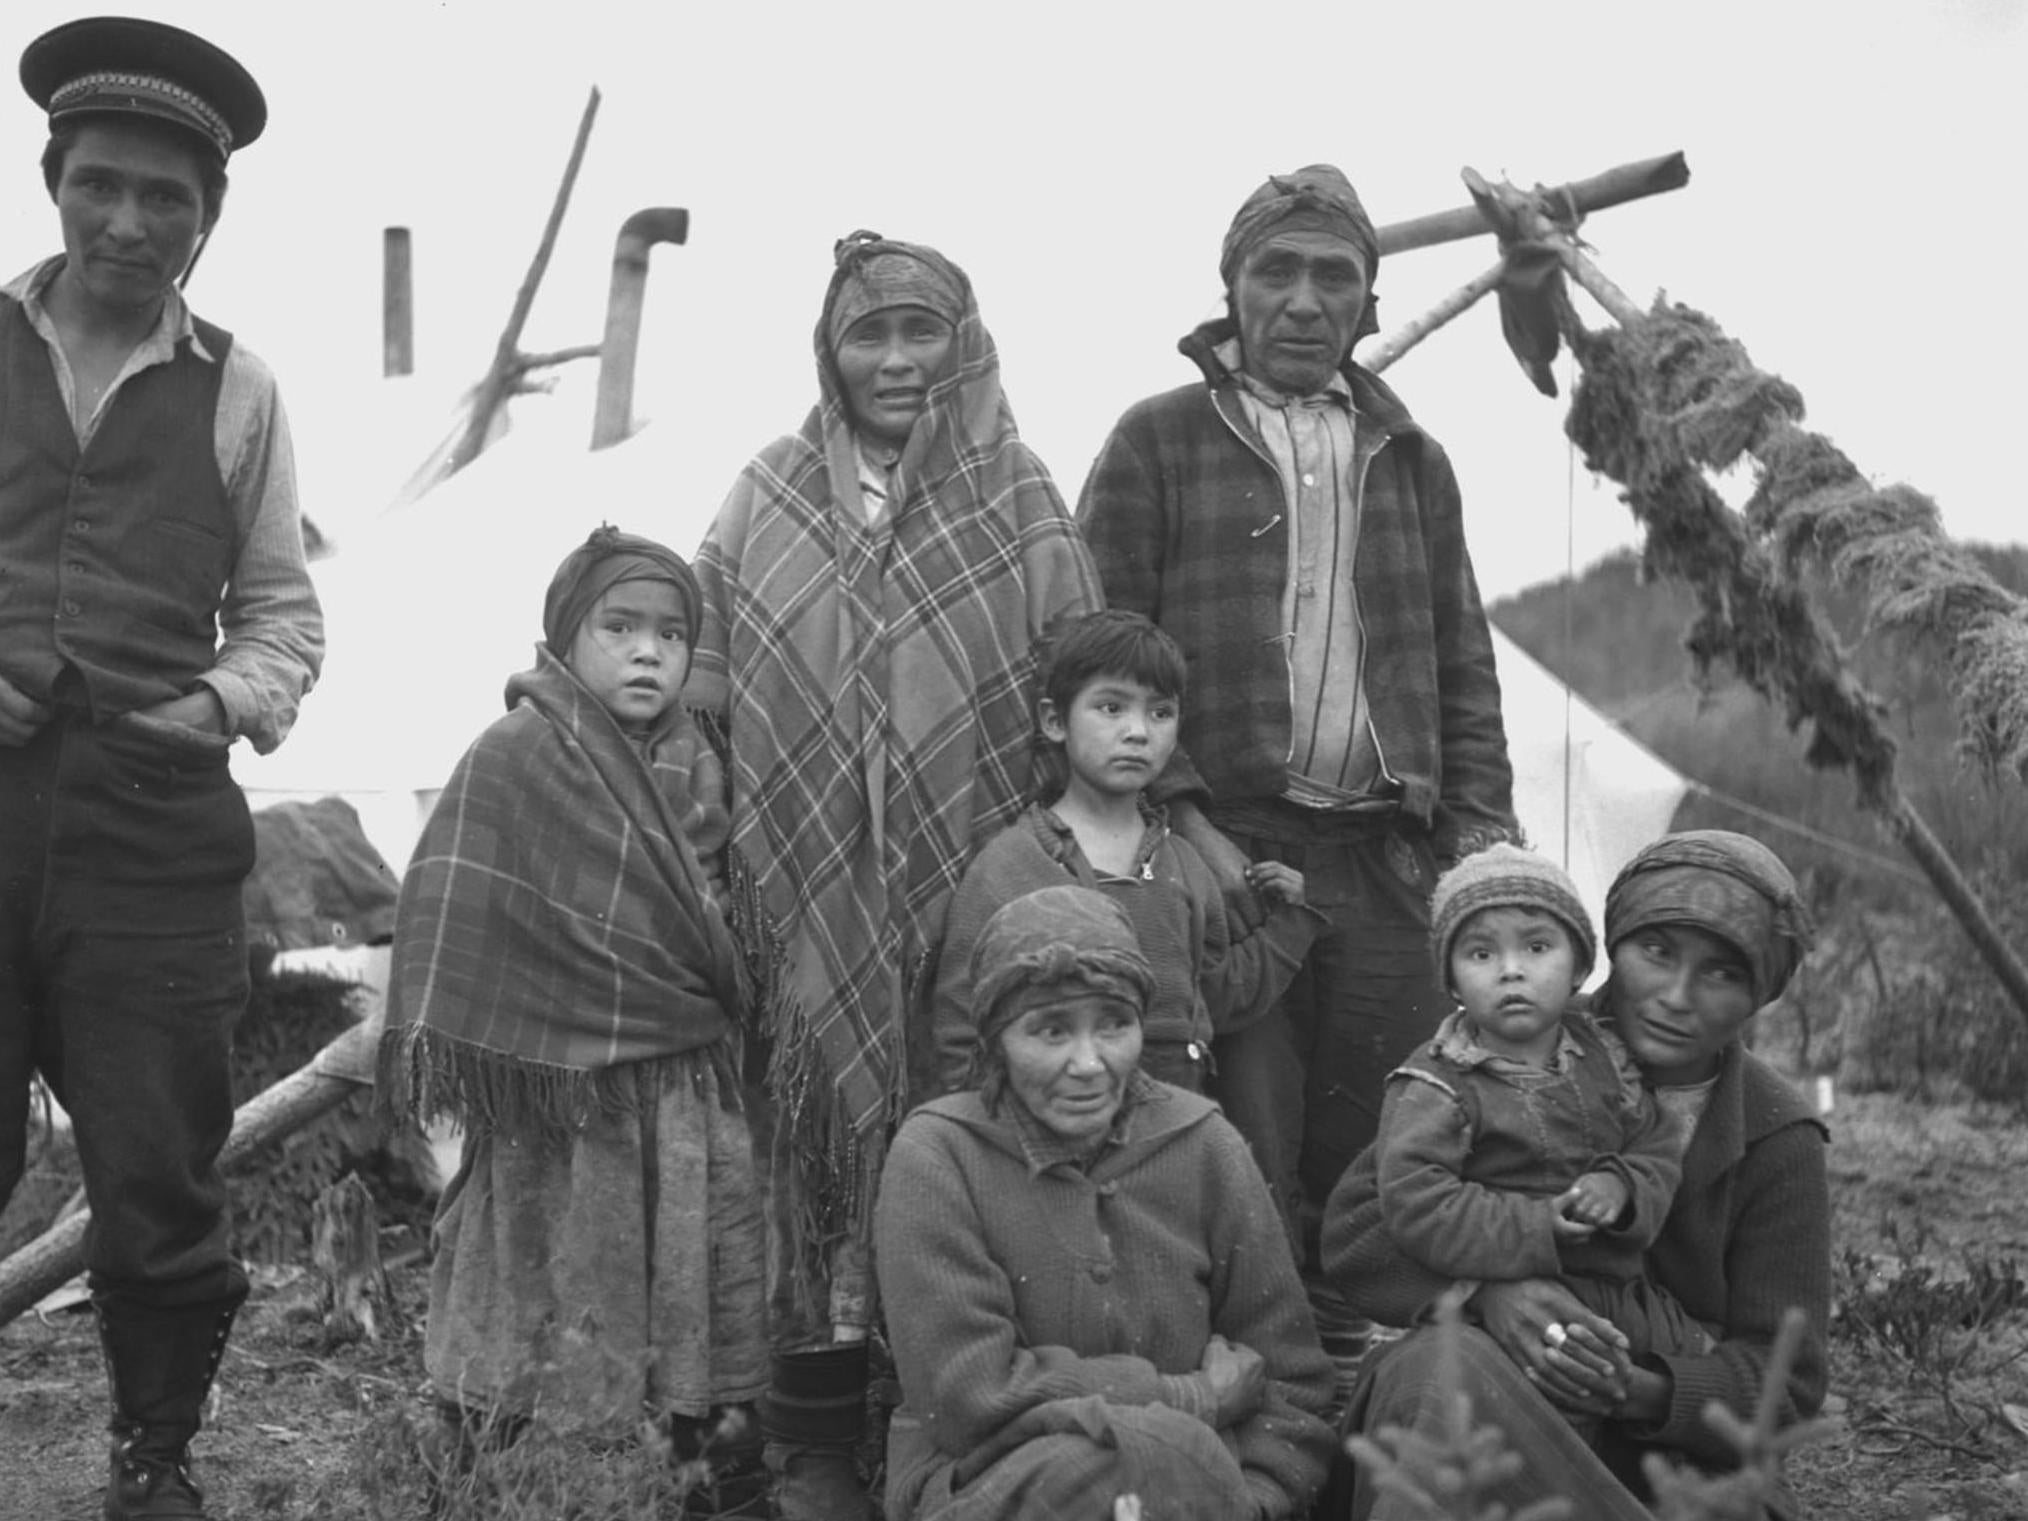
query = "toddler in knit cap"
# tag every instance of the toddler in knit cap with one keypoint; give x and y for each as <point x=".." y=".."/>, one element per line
<point x="1518" y="1142"/>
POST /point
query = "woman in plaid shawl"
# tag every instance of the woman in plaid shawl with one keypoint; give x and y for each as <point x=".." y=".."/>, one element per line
<point x="564" y="986"/>
<point x="872" y="586"/>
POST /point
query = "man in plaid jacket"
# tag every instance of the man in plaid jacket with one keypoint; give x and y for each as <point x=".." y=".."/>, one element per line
<point x="1291" y="527"/>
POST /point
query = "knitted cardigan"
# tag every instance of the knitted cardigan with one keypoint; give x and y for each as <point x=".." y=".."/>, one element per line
<point x="1009" y="1287"/>
<point x="1748" y="1236"/>
<point x="1184" y="514"/>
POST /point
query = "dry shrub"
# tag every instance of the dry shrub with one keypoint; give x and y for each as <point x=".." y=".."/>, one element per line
<point x="1920" y="1013"/>
<point x="485" y="1467"/>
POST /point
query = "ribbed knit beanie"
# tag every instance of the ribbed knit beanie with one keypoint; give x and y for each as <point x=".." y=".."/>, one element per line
<point x="1506" y="876"/>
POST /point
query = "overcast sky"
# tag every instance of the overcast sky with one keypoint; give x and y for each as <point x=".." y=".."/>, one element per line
<point x="1853" y="213"/>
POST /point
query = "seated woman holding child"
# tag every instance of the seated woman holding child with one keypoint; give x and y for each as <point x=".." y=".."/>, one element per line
<point x="1703" y="928"/>
<point x="1096" y="1299"/>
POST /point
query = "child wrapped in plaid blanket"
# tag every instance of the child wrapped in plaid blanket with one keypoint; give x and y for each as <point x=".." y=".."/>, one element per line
<point x="566" y="988"/>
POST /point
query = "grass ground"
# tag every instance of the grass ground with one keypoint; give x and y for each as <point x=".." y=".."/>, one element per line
<point x="1929" y="1373"/>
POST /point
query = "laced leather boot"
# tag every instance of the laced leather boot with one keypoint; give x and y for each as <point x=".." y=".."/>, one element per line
<point x="161" y="1363"/>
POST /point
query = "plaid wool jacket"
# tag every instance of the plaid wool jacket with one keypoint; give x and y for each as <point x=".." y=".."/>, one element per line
<point x="1185" y="517"/>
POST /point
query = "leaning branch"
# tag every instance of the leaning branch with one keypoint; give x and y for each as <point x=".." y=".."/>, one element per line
<point x="508" y="361"/>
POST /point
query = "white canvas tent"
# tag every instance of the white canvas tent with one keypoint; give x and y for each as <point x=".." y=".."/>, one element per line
<point x="430" y="607"/>
<point x="1588" y="794"/>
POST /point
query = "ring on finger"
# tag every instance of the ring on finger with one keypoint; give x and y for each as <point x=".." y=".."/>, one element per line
<point x="1554" y="1334"/>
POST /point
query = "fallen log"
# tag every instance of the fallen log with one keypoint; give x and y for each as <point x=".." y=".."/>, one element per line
<point x="327" y="1080"/>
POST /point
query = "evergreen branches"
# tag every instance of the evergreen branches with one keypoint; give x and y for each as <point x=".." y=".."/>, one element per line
<point x="1670" y="394"/>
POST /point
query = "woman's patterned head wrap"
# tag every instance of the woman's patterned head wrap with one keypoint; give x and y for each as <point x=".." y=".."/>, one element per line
<point x="1053" y="935"/>
<point x="874" y="273"/>
<point x="1726" y="884"/>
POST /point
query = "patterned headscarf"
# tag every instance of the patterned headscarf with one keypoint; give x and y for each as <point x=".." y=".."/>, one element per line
<point x="874" y="273"/>
<point x="1055" y="934"/>
<point x="1726" y="884"/>
<point x="599" y="564"/>
<point x="1316" y="198"/>
<point x="1052" y="936"/>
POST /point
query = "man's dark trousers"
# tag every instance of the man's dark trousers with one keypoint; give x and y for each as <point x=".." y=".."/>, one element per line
<point x="1304" y="1084"/>
<point x="122" y="970"/>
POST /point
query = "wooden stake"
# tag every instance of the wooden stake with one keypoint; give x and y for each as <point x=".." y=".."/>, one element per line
<point x="397" y="303"/>
<point x="613" y="416"/>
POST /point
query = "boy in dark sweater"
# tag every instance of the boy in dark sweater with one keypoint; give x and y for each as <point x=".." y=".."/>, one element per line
<point x="1112" y="693"/>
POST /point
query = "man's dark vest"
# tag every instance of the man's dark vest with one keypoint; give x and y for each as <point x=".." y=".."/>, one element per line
<point x="113" y="560"/>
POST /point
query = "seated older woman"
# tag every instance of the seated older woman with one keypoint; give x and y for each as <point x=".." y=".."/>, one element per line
<point x="1703" y="928"/>
<point x="1088" y="1295"/>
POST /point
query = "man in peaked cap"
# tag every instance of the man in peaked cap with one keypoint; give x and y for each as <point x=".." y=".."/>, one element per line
<point x="1289" y="525"/>
<point x="154" y="606"/>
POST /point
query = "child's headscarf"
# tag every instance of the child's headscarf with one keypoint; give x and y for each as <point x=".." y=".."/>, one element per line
<point x="1726" y="884"/>
<point x="599" y="564"/>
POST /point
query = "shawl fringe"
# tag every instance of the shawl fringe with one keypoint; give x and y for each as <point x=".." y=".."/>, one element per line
<point x="425" y="1075"/>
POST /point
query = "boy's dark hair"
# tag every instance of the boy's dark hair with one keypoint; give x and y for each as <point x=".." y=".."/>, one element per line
<point x="1115" y="642"/>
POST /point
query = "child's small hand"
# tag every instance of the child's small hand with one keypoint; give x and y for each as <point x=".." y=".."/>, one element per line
<point x="1594" y="1200"/>
<point x="1277" y="881"/>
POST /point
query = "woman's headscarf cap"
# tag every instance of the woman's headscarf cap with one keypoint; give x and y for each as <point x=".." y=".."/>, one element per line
<point x="1729" y="885"/>
<point x="124" y="65"/>
<point x="1055" y="934"/>
<point x="599" y="564"/>
<point x="874" y="273"/>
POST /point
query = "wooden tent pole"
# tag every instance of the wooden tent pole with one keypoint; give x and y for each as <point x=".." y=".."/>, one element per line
<point x="1920" y="841"/>
<point x="1614" y="187"/>
<point x="1593" y="281"/>
<point x="57" y="1255"/>
<point x="1379" y="351"/>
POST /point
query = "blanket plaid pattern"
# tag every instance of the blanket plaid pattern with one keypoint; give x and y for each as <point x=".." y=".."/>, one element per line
<point x="876" y="688"/>
<point x="555" y="925"/>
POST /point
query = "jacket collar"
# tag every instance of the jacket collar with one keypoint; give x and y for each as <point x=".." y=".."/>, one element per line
<point x="174" y="327"/>
<point x="1750" y="1103"/>
<point x="1372" y="398"/>
<point x="1059" y="842"/>
<point x="1159" y="1115"/>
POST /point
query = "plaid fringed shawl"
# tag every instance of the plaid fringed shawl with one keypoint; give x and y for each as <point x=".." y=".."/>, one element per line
<point x="876" y="683"/>
<point x="555" y="925"/>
